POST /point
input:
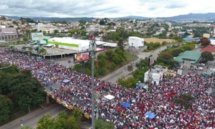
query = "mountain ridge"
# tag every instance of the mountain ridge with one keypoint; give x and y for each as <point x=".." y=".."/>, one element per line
<point x="190" y="16"/>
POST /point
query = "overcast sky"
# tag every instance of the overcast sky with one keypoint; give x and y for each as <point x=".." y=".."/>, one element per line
<point x="104" y="8"/>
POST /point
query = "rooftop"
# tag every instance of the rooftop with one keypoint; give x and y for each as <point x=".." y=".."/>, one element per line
<point x="209" y="48"/>
<point x="192" y="56"/>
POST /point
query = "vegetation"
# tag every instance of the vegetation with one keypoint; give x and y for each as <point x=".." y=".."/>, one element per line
<point x="120" y="33"/>
<point x="142" y="67"/>
<point x="152" y="46"/>
<point x="127" y="83"/>
<point x="165" y="58"/>
<point x="63" y="121"/>
<point x="105" y="63"/>
<point x="120" y="44"/>
<point x="18" y="92"/>
<point x="206" y="56"/>
<point x="70" y="120"/>
<point x="204" y="42"/>
<point x="184" y="100"/>
<point x="138" y="75"/>
<point x="101" y="124"/>
<point x="26" y="20"/>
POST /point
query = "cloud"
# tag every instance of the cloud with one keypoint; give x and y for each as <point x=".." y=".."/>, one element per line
<point x="103" y="8"/>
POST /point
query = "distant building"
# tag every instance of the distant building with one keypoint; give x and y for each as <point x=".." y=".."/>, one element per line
<point x="206" y="35"/>
<point x="209" y="48"/>
<point x="155" y="74"/>
<point x="188" y="58"/>
<point x="8" y="33"/>
<point x="135" y="42"/>
<point x="214" y="31"/>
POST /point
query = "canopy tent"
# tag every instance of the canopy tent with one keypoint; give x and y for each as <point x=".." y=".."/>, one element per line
<point x="27" y="66"/>
<point x="149" y="115"/>
<point x="110" y="97"/>
<point x="65" y="81"/>
<point x="126" y="104"/>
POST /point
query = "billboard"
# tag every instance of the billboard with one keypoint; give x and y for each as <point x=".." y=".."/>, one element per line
<point x="81" y="57"/>
<point x="37" y="36"/>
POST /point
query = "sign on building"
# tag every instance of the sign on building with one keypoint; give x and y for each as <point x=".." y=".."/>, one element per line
<point x="37" y="36"/>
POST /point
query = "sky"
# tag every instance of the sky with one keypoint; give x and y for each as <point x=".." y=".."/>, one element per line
<point x="103" y="8"/>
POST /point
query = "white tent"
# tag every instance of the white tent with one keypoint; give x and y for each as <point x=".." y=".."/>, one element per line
<point x="110" y="97"/>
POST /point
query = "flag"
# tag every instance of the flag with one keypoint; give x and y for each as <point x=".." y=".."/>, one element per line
<point x="97" y="63"/>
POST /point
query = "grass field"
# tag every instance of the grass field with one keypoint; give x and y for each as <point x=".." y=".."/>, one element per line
<point x="148" y="40"/>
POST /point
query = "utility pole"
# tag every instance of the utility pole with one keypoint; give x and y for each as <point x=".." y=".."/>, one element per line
<point x="92" y="54"/>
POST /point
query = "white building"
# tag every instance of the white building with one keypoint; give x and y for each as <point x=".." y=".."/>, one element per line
<point x="155" y="74"/>
<point x="212" y="41"/>
<point x="135" y="42"/>
<point x="70" y="43"/>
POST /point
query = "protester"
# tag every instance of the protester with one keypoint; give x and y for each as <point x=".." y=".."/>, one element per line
<point x="73" y="88"/>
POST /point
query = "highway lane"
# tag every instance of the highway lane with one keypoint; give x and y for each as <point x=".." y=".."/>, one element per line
<point x="32" y="118"/>
<point x="114" y="76"/>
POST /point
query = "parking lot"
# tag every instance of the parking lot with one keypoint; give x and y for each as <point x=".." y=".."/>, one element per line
<point x="209" y="67"/>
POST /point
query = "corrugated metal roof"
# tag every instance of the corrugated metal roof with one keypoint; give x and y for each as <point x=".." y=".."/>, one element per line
<point x="209" y="48"/>
<point x="192" y="56"/>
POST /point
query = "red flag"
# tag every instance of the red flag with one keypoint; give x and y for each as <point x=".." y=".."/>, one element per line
<point x="91" y="36"/>
<point x="97" y="63"/>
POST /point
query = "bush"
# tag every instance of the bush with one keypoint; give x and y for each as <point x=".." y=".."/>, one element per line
<point x="184" y="100"/>
<point x="127" y="83"/>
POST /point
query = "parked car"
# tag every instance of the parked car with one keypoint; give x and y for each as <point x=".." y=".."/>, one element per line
<point x="202" y="64"/>
<point x="200" y="68"/>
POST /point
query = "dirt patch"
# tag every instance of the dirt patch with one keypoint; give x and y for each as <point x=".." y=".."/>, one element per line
<point x="148" y="40"/>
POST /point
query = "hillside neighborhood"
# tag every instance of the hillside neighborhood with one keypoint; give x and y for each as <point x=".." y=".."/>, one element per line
<point x="119" y="73"/>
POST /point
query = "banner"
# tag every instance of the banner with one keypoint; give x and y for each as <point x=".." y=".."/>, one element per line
<point x="81" y="57"/>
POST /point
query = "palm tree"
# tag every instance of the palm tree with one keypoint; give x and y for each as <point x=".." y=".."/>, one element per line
<point x="42" y="51"/>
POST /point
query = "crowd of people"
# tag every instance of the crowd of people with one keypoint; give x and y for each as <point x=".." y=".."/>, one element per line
<point x="73" y="88"/>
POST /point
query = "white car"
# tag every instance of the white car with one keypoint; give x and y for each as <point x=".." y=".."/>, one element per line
<point x="200" y="68"/>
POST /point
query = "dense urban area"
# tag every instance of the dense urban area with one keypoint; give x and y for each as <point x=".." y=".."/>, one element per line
<point x="118" y="73"/>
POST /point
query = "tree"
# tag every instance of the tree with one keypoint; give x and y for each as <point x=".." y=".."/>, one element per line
<point x="120" y="44"/>
<point x="63" y="121"/>
<point x="130" y="67"/>
<point x="166" y="56"/>
<point x="101" y="124"/>
<point x="6" y="108"/>
<point x="24" y="48"/>
<point x="207" y="56"/>
<point x="102" y="22"/>
<point x="24" y="37"/>
<point x="184" y="100"/>
<point x="46" y="122"/>
<point x="77" y="114"/>
<point x="30" y="49"/>
<point x="128" y="83"/>
<point x="204" y="42"/>
<point x="56" y="31"/>
<point x="42" y="51"/>
<point x="27" y="90"/>
<point x="176" y="52"/>
<point x="3" y="18"/>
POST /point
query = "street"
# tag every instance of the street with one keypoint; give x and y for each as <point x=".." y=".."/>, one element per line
<point x="32" y="118"/>
<point x="114" y="76"/>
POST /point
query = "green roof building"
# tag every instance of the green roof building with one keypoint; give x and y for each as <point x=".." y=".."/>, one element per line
<point x="192" y="56"/>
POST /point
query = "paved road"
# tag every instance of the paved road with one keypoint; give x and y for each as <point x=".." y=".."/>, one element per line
<point x="32" y="118"/>
<point x="123" y="70"/>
